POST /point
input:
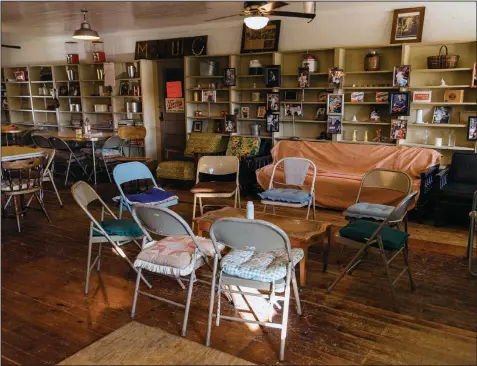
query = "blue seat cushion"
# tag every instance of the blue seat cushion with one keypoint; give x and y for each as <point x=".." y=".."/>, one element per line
<point x="286" y="195"/>
<point x="368" y="210"/>
<point x="120" y="228"/>
<point x="152" y="196"/>
<point x="361" y="231"/>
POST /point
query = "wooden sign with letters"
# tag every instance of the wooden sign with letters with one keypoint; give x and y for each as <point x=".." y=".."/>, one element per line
<point x="171" y="48"/>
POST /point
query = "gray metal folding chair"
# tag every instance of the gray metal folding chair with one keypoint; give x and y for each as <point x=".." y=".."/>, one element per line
<point x="65" y="155"/>
<point x="41" y="141"/>
<point x="115" y="231"/>
<point x="472" y="236"/>
<point x="261" y="258"/>
<point x="177" y="256"/>
<point x="369" y="236"/>
<point x="106" y="156"/>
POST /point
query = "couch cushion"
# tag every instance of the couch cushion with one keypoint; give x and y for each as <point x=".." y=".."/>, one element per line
<point x="243" y="146"/>
<point x="214" y="187"/>
<point x="286" y="195"/>
<point x="181" y="170"/>
<point x="259" y="266"/>
<point x="120" y="228"/>
<point x="458" y="190"/>
<point x="204" y="143"/>
<point x="462" y="169"/>
<point x="362" y="230"/>
<point x="368" y="210"/>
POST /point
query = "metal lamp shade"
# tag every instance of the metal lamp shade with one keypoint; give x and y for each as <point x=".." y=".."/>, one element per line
<point x="85" y="33"/>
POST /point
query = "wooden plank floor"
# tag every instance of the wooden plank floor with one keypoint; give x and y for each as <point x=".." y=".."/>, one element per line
<point x="46" y="317"/>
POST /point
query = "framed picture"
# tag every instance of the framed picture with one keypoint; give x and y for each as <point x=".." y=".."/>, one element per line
<point x="272" y="76"/>
<point x="454" y="96"/>
<point x="398" y="129"/>
<point x="209" y="96"/>
<point x="357" y="97"/>
<point x="422" y="96"/>
<point x="402" y="75"/>
<point x="399" y="103"/>
<point x="261" y="40"/>
<point x="407" y="25"/>
<point x="63" y="91"/>
<point x="218" y="125"/>
<point x="261" y="111"/>
<point x="322" y="97"/>
<point x="292" y="109"/>
<point x="303" y="77"/>
<point x="291" y="95"/>
<point x="229" y="77"/>
<point x="175" y="105"/>
<point x="441" y="114"/>
<point x="245" y="112"/>
<point x="472" y="129"/>
<point x="336" y="78"/>
<point x="124" y="88"/>
<point x="197" y="126"/>
<point x="334" y="125"/>
<point x="230" y="123"/>
<point x="374" y="114"/>
<point x="320" y="114"/>
<point x="273" y="102"/>
<point x="474" y="76"/>
<point x="273" y="122"/>
<point x="335" y="104"/>
<point x="382" y="97"/>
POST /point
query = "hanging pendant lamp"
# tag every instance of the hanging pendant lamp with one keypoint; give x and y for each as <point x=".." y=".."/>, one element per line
<point x="85" y="32"/>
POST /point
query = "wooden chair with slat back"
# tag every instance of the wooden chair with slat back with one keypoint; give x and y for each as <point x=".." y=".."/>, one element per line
<point x="23" y="177"/>
<point x="132" y="137"/>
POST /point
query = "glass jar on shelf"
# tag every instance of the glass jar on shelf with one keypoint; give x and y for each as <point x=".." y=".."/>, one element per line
<point x="72" y="54"/>
<point x="99" y="56"/>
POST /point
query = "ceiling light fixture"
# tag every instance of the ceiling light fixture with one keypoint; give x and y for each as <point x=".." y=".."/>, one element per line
<point x="256" y="22"/>
<point x="85" y="32"/>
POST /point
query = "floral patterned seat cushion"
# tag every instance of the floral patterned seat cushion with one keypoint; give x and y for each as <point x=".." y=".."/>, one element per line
<point x="242" y="147"/>
<point x="259" y="266"/>
<point x="181" y="170"/>
<point x="203" y="143"/>
<point x="172" y="255"/>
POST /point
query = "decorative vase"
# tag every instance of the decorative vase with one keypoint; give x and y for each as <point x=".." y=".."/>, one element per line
<point x="366" y="135"/>
<point x="419" y="116"/>
<point x="355" y="133"/>
<point x="196" y="96"/>
<point x="371" y="61"/>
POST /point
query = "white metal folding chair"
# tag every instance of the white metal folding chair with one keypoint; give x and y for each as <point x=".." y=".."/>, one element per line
<point x="472" y="236"/>
<point x="295" y="171"/>
<point x="115" y="231"/>
<point x="258" y="241"/>
<point x="177" y="256"/>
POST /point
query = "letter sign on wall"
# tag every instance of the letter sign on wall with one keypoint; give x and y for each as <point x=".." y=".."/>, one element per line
<point x="171" y="48"/>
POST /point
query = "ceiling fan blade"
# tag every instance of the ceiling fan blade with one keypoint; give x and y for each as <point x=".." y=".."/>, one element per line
<point x="292" y="14"/>
<point x="228" y="16"/>
<point x="272" y="5"/>
<point x="10" y="46"/>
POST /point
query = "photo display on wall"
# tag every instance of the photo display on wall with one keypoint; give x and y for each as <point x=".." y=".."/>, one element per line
<point x="398" y="129"/>
<point x="335" y="104"/>
<point x="334" y="125"/>
<point x="273" y="112"/>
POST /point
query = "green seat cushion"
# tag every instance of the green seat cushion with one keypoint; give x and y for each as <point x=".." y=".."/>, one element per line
<point x="361" y="231"/>
<point x="120" y="228"/>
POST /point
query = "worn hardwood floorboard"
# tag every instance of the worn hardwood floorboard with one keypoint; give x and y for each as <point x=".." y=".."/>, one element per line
<point x="46" y="317"/>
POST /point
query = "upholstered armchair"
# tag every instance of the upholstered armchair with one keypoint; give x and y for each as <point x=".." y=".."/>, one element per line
<point x="454" y="188"/>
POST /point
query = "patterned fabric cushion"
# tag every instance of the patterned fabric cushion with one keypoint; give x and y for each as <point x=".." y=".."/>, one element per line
<point x="204" y="143"/>
<point x="173" y="251"/>
<point x="153" y="196"/>
<point x="181" y="170"/>
<point x="16" y="184"/>
<point x="286" y="195"/>
<point x="264" y="266"/>
<point x="368" y="210"/>
<point x="243" y="146"/>
<point x="120" y="228"/>
<point x="107" y="153"/>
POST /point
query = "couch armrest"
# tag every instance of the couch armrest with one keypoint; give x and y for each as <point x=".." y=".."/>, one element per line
<point x="427" y="180"/>
<point x="440" y="182"/>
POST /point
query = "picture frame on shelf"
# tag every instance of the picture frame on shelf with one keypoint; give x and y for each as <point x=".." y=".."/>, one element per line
<point x="261" y="111"/>
<point x="382" y="97"/>
<point x="303" y="77"/>
<point x="273" y="122"/>
<point x="322" y="97"/>
<point x="290" y="95"/>
<point x="218" y="125"/>
<point x="357" y="97"/>
<point x="442" y="114"/>
<point x="402" y="76"/>
<point x="399" y="103"/>
<point x="335" y="104"/>
<point x="293" y="109"/>
<point x="333" y="125"/>
<point x="261" y="40"/>
<point x="422" y="96"/>
<point x="124" y="87"/>
<point x="245" y="112"/>
<point x="454" y="96"/>
<point x="197" y="126"/>
<point x="272" y="76"/>
<point x="408" y="24"/>
<point x="273" y="102"/>
<point x="474" y="76"/>
<point x="374" y="115"/>
<point x="230" y="123"/>
<point x="63" y="91"/>
<point x="209" y="96"/>
<point x="320" y="114"/>
<point x="230" y="77"/>
<point x="336" y="78"/>
<point x="398" y="129"/>
<point x="472" y="128"/>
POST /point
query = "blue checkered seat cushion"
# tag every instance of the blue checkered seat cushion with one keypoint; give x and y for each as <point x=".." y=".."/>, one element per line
<point x="286" y="195"/>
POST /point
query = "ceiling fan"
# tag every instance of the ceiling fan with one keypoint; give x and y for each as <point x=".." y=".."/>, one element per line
<point x="256" y="13"/>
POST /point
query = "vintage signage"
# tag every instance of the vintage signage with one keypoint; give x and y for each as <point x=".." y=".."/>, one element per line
<point x="175" y="105"/>
<point x="171" y="48"/>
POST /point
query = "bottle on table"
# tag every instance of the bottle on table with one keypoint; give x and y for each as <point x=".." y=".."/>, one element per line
<point x="250" y="210"/>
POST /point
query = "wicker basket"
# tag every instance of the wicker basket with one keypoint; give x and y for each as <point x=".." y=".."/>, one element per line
<point x="443" y="61"/>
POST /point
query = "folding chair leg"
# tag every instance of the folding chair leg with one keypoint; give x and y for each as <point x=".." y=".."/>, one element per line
<point x="98" y="267"/>
<point x="193" y="211"/>
<point x="314" y="209"/>
<point x="187" y="307"/>
<point x="308" y="210"/>
<point x="40" y="201"/>
<point x="238" y="196"/>
<point x="17" y="212"/>
<point x="285" y="316"/>
<point x="219" y="289"/>
<point x="107" y="171"/>
<point x="388" y="274"/>
<point x="264" y="208"/>
<point x="409" y="272"/>
<point x="68" y="171"/>
<point x="211" y="302"/>
<point x="348" y="266"/>
<point x="120" y="208"/>
<point x="88" y="266"/>
<point x="296" y="292"/>
<point x="136" y="292"/>
<point x="54" y="187"/>
<point x="235" y="199"/>
<point x="201" y="207"/>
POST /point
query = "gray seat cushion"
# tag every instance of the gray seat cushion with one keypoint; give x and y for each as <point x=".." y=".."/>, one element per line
<point x="286" y="195"/>
<point x="363" y="210"/>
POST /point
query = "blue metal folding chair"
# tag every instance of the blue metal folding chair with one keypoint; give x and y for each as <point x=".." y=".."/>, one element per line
<point x="129" y="172"/>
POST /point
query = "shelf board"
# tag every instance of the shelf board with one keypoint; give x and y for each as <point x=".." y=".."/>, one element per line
<point x="70" y="96"/>
<point x="126" y="96"/>
<point x="366" y="103"/>
<point x="96" y="96"/>
<point x="300" y="102"/>
<point x="366" y="123"/>
<point x="302" y="121"/>
<point x="16" y="96"/>
<point x="219" y="102"/>
<point x="437" y="125"/>
<point x="70" y="112"/>
<point x="42" y="96"/>
<point x="445" y="103"/>
<point x="67" y="81"/>
<point x="249" y="102"/>
<point x="252" y="119"/>
<point x="44" y="111"/>
<point x="92" y="81"/>
<point x="442" y="70"/>
<point x="439" y="87"/>
<point x="24" y="123"/>
<point x="260" y="136"/>
<point x="371" y="87"/>
<point x="310" y="88"/>
<point x="454" y="148"/>
<point x="20" y="110"/>
<point x="366" y="142"/>
<point x="102" y="128"/>
<point x="368" y="72"/>
<point x="206" y="117"/>
<point x="128" y="79"/>
<point x="17" y="82"/>
<point x="252" y="88"/>
<point x="300" y="139"/>
<point x="97" y="112"/>
<point x="200" y="89"/>
<point x="124" y="112"/>
<point x="311" y="73"/>
<point x="206" y="77"/>
<point x="42" y="82"/>
<point x="251" y="76"/>
<point x="45" y="125"/>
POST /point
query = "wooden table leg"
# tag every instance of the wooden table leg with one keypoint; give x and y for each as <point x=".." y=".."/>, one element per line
<point x="326" y="248"/>
<point x="303" y="267"/>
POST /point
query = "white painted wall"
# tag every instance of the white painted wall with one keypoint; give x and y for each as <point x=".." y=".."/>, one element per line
<point x="348" y="24"/>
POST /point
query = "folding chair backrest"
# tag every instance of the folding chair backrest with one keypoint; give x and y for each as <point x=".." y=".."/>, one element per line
<point x="132" y="171"/>
<point x="59" y="144"/>
<point x="114" y="142"/>
<point x="27" y="139"/>
<point x="294" y="171"/>
<point x="84" y="194"/>
<point x="249" y="235"/>
<point x="41" y="141"/>
<point x="393" y="180"/>
<point x="218" y="165"/>
<point x="50" y="154"/>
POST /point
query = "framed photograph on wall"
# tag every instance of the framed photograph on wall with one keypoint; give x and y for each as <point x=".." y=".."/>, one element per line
<point x="399" y="103"/>
<point x="273" y="102"/>
<point x="336" y="78"/>
<point x="407" y="25"/>
<point x="335" y="104"/>
<point x="272" y="76"/>
<point x="261" y="40"/>
<point x="472" y="128"/>
<point x="402" y="76"/>
<point x="398" y="129"/>
<point x="197" y="126"/>
<point x="230" y="123"/>
<point x="442" y="114"/>
<point x="273" y="122"/>
<point x="229" y="77"/>
<point x="320" y="114"/>
<point x="334" y="125"/>
<point x="303" y="77"/>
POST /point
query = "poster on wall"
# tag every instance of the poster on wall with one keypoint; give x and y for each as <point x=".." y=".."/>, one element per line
<point x="175" y="105"/>
<point x="174" y="89"/>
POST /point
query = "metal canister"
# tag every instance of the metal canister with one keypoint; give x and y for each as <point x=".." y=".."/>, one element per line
<point x="255" y="129"/>
<point x="371" y="61"/>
